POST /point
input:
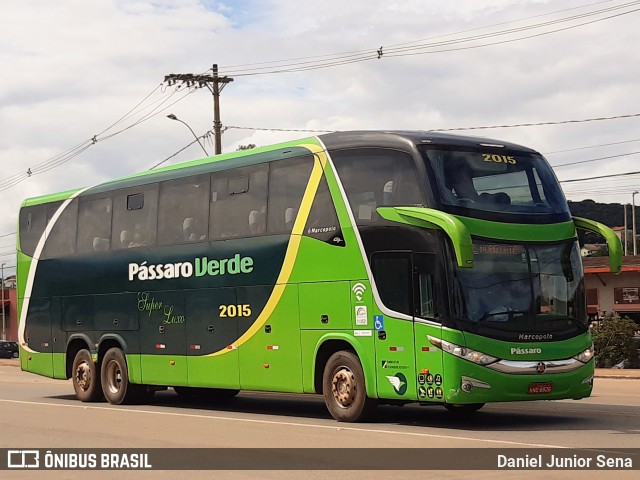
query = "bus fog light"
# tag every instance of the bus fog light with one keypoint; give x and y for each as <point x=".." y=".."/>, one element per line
<point x="588" y="381"/>
<point x="467" y="384"/>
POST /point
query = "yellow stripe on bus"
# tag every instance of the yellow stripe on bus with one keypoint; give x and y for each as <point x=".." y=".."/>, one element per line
<point x="292" y="250"/>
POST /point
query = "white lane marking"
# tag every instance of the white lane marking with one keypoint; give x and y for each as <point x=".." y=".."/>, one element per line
<point x="286" y="424"/>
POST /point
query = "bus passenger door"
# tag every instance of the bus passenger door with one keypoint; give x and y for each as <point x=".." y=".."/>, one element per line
<point x="427" y="309"/>
<point x="393" y="336"/>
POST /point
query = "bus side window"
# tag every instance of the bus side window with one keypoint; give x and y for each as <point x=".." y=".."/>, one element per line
<point x="406" y="282"/>
<point x="238" y="202"/>
<point x="135" y="217"/>
<point x="374" y="178"/>
<point x="288" y="181"/>
<point x="183" y="210"/>
<point x="32" y="224"/>
<point x="61" y="240"/>
<point x="392" y="274"/>
<point x="94" y="224"/>
<point x="424" y="271"/>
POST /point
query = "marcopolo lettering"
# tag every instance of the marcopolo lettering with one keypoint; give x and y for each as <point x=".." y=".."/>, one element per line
<point x="200" y="267"/>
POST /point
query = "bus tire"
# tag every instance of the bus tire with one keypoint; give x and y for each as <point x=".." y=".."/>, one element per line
<point x="85" y="377"/>
<point x="115" y="380"/>
<point x="343" y="387"/>
<point x="463" y="409"/>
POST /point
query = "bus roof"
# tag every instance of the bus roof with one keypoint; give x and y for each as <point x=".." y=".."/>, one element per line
<point x="391" y="139"/>
<point x="336" y="140"/>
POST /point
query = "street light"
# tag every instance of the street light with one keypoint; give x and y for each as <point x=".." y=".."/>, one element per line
<point x="4" y="331"/>
<point x="173" y="117"/>
<point x="633" y="221"/>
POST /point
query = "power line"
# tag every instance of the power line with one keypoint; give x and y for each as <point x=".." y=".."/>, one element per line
<point x="406" y="51"/>
<point x="484" y="127"/>
<point x="326" y="61"/>
<point x="538" y="124"/>
<point x="204" y="136"/>
<point x="68" y="155"/>
<point x="591" y="146"/>
<point x="368" y="51"/>
<point x="594" y="159"/>
<point x="599" y="177"/>
<point x="229" y="127"/>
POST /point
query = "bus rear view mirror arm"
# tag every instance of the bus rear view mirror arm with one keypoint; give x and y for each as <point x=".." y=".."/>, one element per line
<point x="613" y="242"/>
<point x="430" y="218"/>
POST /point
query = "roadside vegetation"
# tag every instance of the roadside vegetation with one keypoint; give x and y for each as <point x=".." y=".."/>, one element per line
<point x="613" y="341"/>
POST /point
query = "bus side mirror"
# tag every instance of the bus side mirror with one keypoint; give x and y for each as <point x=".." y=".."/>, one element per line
<point x="430" y="218"/>
<point x="613" y="242"/>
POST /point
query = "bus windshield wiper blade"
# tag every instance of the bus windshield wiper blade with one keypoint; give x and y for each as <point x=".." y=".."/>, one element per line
<point x="509" y="313"/>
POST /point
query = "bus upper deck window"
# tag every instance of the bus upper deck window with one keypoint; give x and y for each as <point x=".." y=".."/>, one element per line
<point x="135" y="201"/>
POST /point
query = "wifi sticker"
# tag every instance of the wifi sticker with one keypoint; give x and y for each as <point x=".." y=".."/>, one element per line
<point x="358" y="290"/>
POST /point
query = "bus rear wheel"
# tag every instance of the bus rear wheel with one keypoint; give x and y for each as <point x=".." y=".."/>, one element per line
<point x="343" y="387"/>
<point x="115" y="381"/>
<point x="85" y="377"/>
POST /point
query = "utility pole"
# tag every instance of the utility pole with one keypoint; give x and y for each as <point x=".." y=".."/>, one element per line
<point x="626" y="234"/>
<point x="4" y="328"/>
<point x="215" y="84"/>
<point x="633" y="220"/>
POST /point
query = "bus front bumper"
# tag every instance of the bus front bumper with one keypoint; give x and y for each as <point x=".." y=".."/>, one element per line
<point x="467" y="383"/>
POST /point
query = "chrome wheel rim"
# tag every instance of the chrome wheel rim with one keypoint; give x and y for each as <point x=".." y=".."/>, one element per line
<point x="343" y="387"/>
<point x="114" y="377"/>
<point x="83" y="376"/>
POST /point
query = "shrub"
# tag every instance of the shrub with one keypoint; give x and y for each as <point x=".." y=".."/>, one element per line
<point x="613" y="342"/>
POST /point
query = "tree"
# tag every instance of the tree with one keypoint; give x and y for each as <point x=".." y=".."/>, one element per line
<point x="613" y="342"/>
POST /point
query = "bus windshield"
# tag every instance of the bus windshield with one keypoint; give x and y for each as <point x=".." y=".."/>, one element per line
<point x="523" y="288"/>
<point x="494" y="180"/>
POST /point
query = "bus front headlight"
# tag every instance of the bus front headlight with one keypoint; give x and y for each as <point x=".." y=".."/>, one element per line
<point x="463" y="352"/>
<point x="585" y="356"/>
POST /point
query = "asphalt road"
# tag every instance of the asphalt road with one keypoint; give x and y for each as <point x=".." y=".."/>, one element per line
<point x="37" y="412"/>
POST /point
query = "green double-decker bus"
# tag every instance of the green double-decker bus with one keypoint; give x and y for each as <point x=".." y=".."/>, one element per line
<point x="370" y="267"/>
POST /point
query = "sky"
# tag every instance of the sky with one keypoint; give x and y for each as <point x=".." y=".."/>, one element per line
<point x="83" y="97"/>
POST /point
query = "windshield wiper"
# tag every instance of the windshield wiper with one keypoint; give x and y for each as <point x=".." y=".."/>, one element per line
<point x="557" y="318"/>
<point x="509" y="313"/>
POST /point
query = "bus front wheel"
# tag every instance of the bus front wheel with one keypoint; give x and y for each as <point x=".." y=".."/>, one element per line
<point x="115" y="381"/>
<point x="85" y="377"/>
<point x="343" y="387"/>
